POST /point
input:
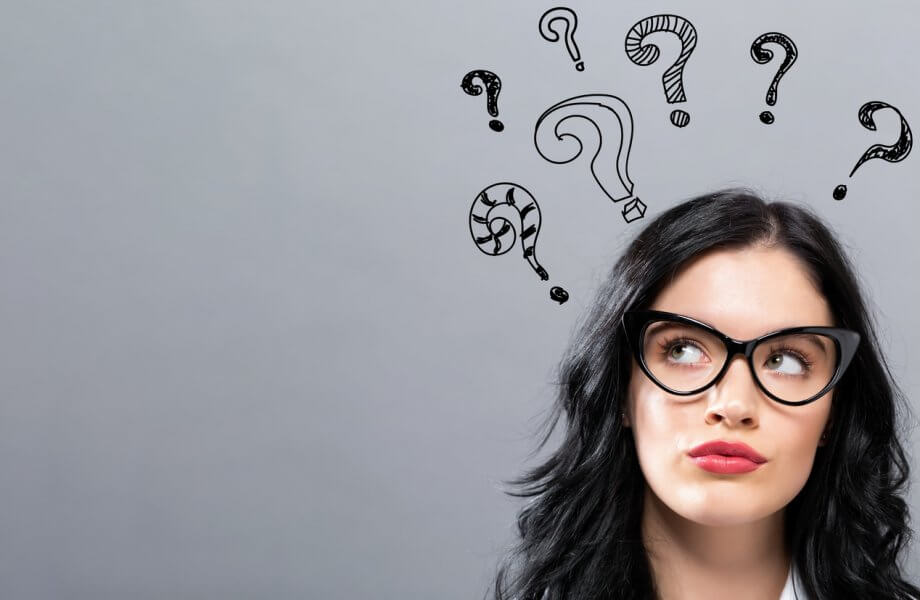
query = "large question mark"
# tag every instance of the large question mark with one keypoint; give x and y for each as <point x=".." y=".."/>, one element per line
<point x="609" y="165"/>
<point x="645" y="54"/>
<point x="493" y="87"/>
<point x="762" y="56"/>
<point x="894" y="153"/>
<point x="492" y="225"/>
<point x="570" y="23"/>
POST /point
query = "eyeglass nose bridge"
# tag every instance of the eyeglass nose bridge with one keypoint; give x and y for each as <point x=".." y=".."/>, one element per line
<point x="734" y="347"/>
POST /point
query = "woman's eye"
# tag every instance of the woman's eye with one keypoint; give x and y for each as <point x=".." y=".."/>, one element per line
<point x="786" y="359"/>
<point x="685" y="350"/>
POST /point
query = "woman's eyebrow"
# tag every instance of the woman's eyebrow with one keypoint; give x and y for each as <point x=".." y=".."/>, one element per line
<point x="815" y="340"/>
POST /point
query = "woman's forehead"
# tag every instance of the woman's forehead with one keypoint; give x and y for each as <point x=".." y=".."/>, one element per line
<point x="746" y="292"/>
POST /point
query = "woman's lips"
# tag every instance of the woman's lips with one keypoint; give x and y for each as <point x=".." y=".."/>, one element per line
<point x="728" y="448"/>
<point x="715" y="463"/>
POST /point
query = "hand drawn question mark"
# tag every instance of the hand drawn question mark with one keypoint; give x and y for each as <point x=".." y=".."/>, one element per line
<point x="645" y="54"/>
<point x="762" y="56"/>
<point x="493" y="87"/>
<point x="570" y="23"/>
<point x="894" y="153"/>
<point x="609" y="165"/>
<point x="492" y="225"/>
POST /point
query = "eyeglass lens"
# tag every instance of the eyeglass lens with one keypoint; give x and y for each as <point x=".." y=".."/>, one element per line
<point x="792" y="367"/>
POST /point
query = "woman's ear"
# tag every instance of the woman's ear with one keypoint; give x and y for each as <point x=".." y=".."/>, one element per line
<point x="625" y="419"/>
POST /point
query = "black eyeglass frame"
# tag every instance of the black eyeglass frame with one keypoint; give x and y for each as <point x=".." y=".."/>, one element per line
<point x="635" y="322"/>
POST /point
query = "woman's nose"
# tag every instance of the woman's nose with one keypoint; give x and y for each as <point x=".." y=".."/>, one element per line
<point x="737" y="393"/>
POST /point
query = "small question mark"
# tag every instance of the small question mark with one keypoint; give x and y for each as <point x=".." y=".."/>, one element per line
<point x="493" y="221"/>
<point x="493" y="87"/>
<point x="894" y="153"/>
<point x="645" y="54"/>
<point x="762" y="56"/>
<point x="570" y="23"/>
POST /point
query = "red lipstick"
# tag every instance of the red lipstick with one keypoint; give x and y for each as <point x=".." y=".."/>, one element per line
<point x="719" y="456"/>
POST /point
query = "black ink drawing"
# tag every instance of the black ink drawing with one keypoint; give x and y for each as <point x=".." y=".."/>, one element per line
<point x="569" y="22"/>
<point x="762" y="56"/>
<point x="492" y="225"/>
<point x="488" y="213"/>
<point x="493" y="220"/>
<point x="644" y="54"/>
<point x="609" y="165"/>
<point x="493" y="87"/>
<point x="894" y="153"/>
<point x="558" y="294"/>
<point x="504" y="212"/>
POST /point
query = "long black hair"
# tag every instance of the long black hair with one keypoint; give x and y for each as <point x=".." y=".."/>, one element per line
<point x="579" y="535"/>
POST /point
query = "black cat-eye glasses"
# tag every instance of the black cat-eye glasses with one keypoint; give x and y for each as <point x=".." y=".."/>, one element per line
<point x="684" y="356"/>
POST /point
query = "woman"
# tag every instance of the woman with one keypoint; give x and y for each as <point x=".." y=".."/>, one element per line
<point x="728" y="319"/>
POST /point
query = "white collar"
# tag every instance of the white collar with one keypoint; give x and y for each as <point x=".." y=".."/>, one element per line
<point x="798" y="591"/>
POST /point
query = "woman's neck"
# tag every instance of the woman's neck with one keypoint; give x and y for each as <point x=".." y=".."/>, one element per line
<point x="693" y="561"/>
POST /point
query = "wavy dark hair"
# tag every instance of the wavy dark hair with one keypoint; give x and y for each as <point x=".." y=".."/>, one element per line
<point x="579" y="536"/>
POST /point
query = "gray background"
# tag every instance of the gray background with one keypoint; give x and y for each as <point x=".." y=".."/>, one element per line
<point x="249" y="348"/>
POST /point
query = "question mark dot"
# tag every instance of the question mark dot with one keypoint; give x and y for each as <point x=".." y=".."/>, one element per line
<point x="558" y="294"/>
<point x="496" y="125"/>
<point x="840" y="192"/>
<point x="580" y="66"/>
<point x="679" y="118"/>
<point x="766" y="117"/>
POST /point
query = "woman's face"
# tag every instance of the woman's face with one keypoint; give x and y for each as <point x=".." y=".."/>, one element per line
<point x="745" y="294"/>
